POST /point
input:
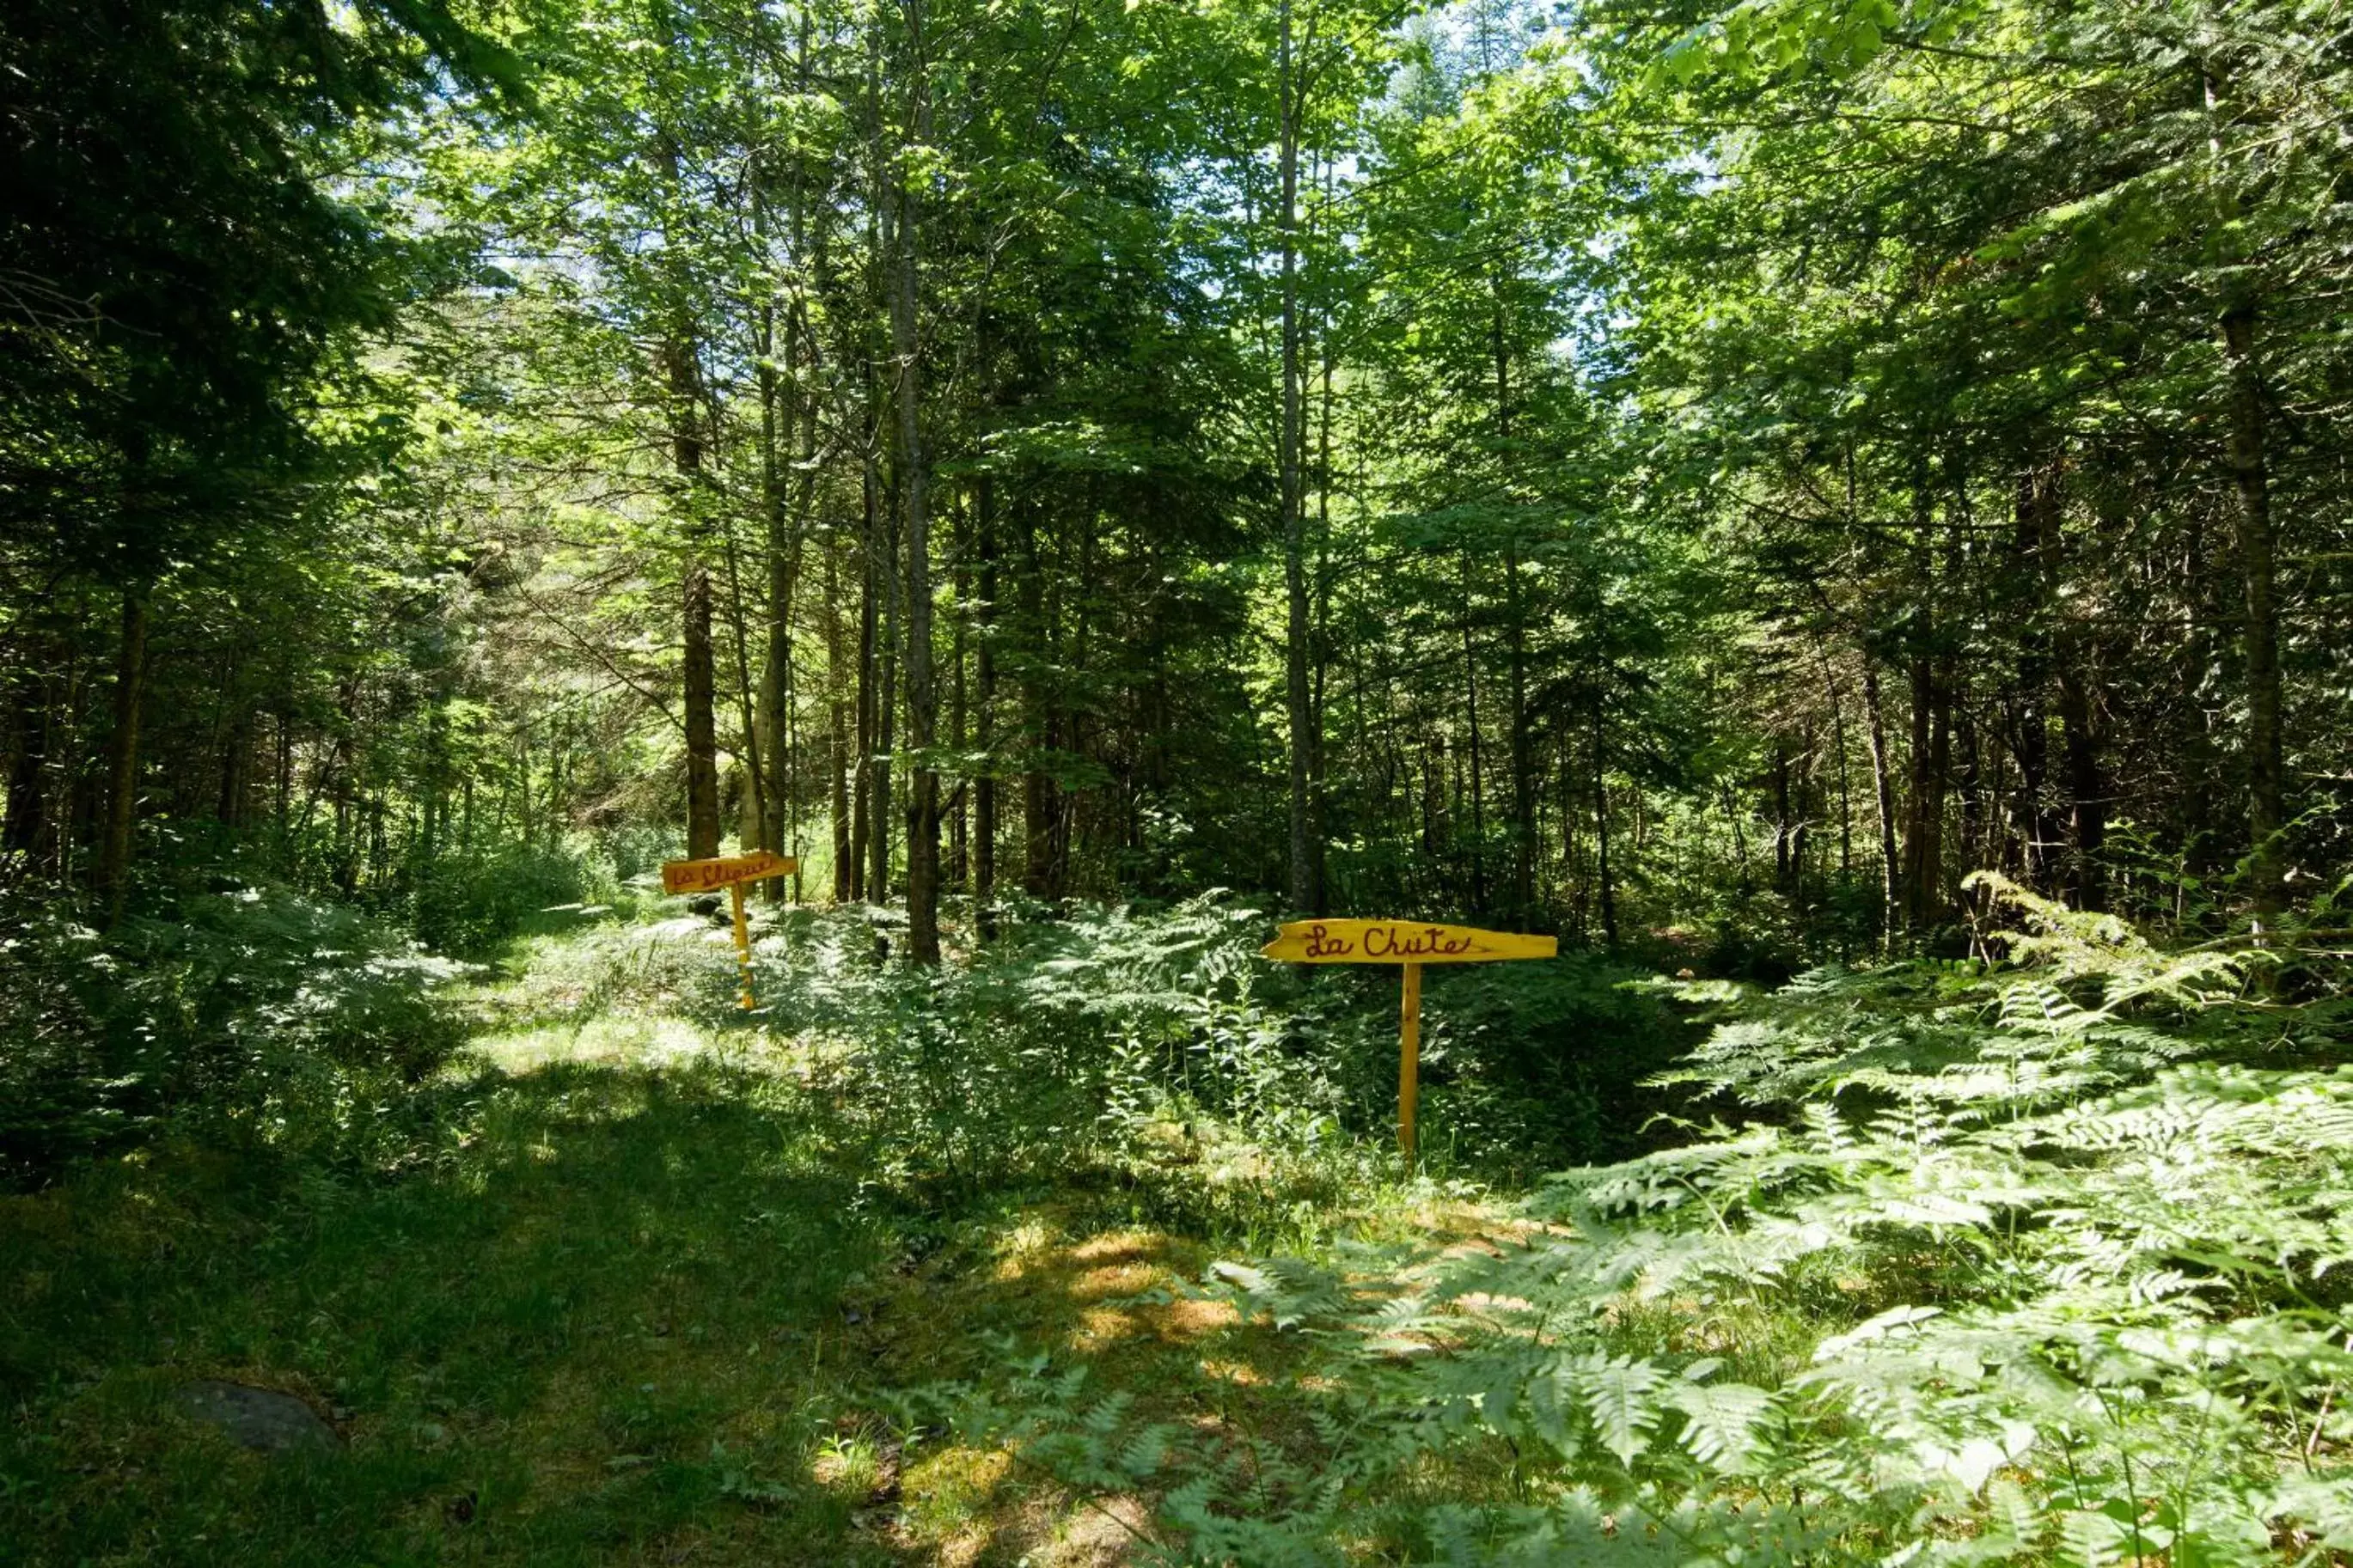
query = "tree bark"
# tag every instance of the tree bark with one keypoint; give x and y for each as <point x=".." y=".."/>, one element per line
<point x="1923" y="832"/>
<point x="1608" y="888"/>
<point x="2249" y="472"/>
<point x="1476" y="761"/>
<point x="841" y="680"/>
<point x="1523" y="787"/>
<point x="984" y="844"/>
<point x="23" y="831"/>
<point x="700" y="673"/>
<point x="915" y="486"/>
<point x="2086" y="790"/>
<point x="122" y="754"/>
<point x="1040" y="807"/>
<point x="770" y="728"/>
<point x="1298" y="703"/>
<point x="886" y="700"/>
<point x="861" y="830"/>
<point x="1883" y="779"/>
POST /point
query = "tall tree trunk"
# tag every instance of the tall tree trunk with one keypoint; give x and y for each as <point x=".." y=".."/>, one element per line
<point x="2087" y="803"/>
<point x="1477" y="762"/>
<point x="2250" y="471"/>
<point x="861" y="830"/>
<point x="886" y="701"/>
<point x="435" y="781"/>
<point x="122" y="753"/>
<point x="700" y="677"/>
<point x="24" y="832"/>
<point x="1298" y="703"/>
<point x="1524" y="786"/>
<point x="983" y="846"/>
<point x="780" y="824"/>
<point x="2030" y="737"/>
<point x="841" y="680"/>
<point x="702" y="729"/>
<point x="1883" y="779"/>
<point x="1609" y="891"/>
<point x="957" y="808"/>
<point x="1040" y="808"/>
<point x="915" y="485"/>
<point x="1923" y="832"/>
<point x="769" y="724"/>
<point x="1838" y="744"/>
<point x="1783" y="823"/>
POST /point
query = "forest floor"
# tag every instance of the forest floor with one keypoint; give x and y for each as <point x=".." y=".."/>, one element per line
<point x="633" y="1300"/>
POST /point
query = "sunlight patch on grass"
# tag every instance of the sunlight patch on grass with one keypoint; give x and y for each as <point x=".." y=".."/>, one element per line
<point x="625" y="1040"/>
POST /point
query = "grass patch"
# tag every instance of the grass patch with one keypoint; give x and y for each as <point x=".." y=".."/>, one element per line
<point x="629" y="1284"/>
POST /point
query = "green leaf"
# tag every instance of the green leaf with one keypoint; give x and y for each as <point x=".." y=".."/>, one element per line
<point x="1617" y="1392"/>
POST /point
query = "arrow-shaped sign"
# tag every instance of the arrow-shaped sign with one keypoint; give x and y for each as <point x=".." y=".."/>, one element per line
<point x="1410" y="944"/>
<point x="727" y="871"/>
<point x="730" y="872"/>
<point x="1401" y="941"/>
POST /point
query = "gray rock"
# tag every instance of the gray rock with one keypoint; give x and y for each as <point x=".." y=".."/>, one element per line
<point x="259" y="1418"/>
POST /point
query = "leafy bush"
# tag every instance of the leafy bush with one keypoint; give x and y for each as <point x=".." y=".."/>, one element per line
<point x="470" y="904"/>
<point x="1067" y="1037"/>
<point x="2037" y="1260"/>
<point x="1542" y="1065"/>
<point x="242" y="1003"/>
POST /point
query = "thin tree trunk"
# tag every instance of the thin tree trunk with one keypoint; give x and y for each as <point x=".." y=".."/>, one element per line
<point x="1883" y="781"/>
<point x="122" y="754"/>
<point x="1609" y="891"/>
<point x="1523" y="788"/>
<point x="1040" y="808"/>
<point x="24" y="832"/>
<point x="922" y="699"/>
<point x="768" y="724"/>
<point x="1837" y="742"/>
<point x="2086" y="804"/>
<point x="2250" y="471"/>
<point x="1783" y="825"/>
<point x="958" y="809"/>
<point x="1924" y="833"/>
<point x="700" y="674"/>
<point x="1477" y="787"/>
<point x="1297" y="702"/>
<point x="886" y="702"/>
<point x="861" y="831"/>
<point x="984" y="848"/>
<point x="840" y="680"/>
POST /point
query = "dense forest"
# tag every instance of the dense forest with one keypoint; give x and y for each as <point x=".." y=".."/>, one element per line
<point x="1839" y="510"/>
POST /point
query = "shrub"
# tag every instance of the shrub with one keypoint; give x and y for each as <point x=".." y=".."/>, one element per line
<point x="2039" y="1261"/>
<point x="470" y="904"/>
<point x="243" y="999"/>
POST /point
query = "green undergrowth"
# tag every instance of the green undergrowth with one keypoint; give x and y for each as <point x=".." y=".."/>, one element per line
<point x="2040" y="1259"/>
<point x="244" y="1012"/>
<point x="637" y="1275"/>
<point x="1090" y="1248"/>
<point x="588" y="1310"/>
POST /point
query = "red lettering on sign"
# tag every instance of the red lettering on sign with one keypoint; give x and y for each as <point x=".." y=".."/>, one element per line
<point x="1320" y="944"/>
<point x="1430" y="941"/>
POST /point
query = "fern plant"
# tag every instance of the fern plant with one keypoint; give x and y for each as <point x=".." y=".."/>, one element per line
<point x="2031" y="1259"/>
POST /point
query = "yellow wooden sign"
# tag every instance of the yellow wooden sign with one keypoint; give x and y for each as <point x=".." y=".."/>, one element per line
<point x="730" y="872"/>
<point x="727" y="871"/>
<point x="1410" y="944"/>
<point x="1401" y="941"/>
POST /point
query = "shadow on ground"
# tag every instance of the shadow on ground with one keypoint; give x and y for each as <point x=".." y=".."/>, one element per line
<point x="600" y="1314"/>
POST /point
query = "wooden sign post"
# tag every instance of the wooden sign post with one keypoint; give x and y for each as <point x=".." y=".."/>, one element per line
<point x="1412" y="945"/>
<point x="730" y="872"/>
